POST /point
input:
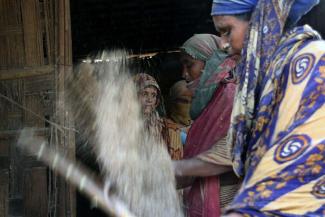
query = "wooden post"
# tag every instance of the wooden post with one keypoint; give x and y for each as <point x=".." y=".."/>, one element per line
<point x="67" y="197"/>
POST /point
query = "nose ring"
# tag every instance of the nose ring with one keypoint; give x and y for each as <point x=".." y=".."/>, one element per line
<point x="226" y="46"/>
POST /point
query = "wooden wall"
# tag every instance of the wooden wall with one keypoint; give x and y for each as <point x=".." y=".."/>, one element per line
<point x="35" y="55"/>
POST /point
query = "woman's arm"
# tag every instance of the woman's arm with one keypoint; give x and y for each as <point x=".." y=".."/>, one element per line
<point x="196" y="167"/>
<point x="233" y="215"/>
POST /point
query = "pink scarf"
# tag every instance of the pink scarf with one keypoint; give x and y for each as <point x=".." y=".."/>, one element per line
<point x="211" y="126"/>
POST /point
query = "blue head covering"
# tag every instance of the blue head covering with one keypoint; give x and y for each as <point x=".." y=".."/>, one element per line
<point x="231" y="7"/>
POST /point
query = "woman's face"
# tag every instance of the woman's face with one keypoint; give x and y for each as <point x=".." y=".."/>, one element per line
<point x="148" y="99"/>
<point x="192" y="68"/>
<point x="232" y="30"/>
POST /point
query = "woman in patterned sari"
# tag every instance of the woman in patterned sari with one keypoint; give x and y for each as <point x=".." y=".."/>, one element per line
<point x="278" y="121"/>
<point x="207" y="161"/>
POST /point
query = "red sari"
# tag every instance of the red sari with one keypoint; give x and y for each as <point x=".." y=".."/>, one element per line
<point x="211" y="126"/>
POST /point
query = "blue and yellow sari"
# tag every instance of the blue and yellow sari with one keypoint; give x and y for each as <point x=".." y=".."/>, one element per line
<point x="278" y="123"/>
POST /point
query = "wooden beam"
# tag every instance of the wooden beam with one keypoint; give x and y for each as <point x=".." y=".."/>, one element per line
<point x="7" y="134"/>
<point x="4" y="193"/>
<point x="9" y="74"/>
<point x="11" y="30"/>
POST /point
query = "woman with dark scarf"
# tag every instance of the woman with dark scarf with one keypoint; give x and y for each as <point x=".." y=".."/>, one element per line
<point x="207" y="161"/>
<point x="278" y="121"/>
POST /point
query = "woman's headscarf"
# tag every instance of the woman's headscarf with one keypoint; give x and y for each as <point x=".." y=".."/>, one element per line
<point x="231" y="7"/>
<point x="205" y="47"/>
<point x="262" y="42"/>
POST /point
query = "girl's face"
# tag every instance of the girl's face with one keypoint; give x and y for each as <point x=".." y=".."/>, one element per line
<point x="192" y="68"/>
<point x="148" y="99"/>
<point x="232" y="31"/>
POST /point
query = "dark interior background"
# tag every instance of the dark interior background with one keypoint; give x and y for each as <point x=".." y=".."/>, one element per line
<point x="144" y="26"/>
<point x="140" y="25"/>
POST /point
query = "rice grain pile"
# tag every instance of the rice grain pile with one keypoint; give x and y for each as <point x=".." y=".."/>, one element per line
<point x="134" y="162"/>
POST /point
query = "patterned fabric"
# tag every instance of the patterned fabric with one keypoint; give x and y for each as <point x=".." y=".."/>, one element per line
<point x="286" y="162"/>
<point x="175" y="145"/>
<point x="278" y="118"/>
<point x="205" y="47"/>
<point x="261" y="48"/>
<point x="231" y="7"/>
<point x="211" y="126"/>
<point x="201" y="46"/>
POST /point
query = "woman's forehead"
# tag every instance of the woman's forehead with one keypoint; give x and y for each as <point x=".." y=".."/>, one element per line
<point x="150" y="88"/>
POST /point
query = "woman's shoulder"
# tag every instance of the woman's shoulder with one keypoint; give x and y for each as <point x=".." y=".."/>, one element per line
<point x="314" y="48"/>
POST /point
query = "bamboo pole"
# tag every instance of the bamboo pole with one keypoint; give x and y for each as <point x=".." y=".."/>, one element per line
<point x="47" y="29"/>
<point x="75" y="173"/>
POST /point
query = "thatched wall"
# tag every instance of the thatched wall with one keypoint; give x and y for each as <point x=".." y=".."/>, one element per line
<point x="35" y="55"/>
